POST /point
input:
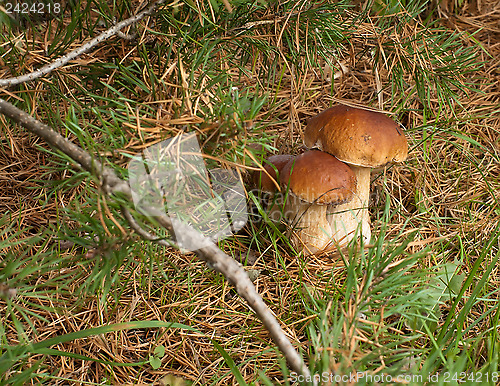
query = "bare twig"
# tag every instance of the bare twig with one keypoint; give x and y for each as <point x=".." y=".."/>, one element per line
<point x="111" y="184"/>
<point x="141" y="231"/>
<point x="82" y="49"/>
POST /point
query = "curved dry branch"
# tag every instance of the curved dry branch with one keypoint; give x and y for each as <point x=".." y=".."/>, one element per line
<point x="111" y="184"/>
<point x="82" y="49"/>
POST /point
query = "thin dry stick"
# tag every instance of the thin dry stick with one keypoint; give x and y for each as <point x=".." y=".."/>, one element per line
<point x="82" y="49"/>
<point x="111" y="184"/>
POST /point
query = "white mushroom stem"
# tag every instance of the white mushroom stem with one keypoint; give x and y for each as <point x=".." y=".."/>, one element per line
<point x="311" y="230"/>
<point x="344" y="219"/>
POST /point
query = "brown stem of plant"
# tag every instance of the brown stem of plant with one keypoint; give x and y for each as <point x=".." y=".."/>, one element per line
<point x="111" y="184"/>
<point x="82" y="49"/>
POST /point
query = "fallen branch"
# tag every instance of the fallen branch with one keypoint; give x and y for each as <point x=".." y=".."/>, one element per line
<point x="115" y="30"/>
<point x="112" y="185"/>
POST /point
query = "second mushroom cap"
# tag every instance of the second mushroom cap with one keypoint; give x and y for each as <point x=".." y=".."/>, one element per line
<point x="357" y="136"/>
<point x="318" y="177"/>
<point x="273" y="164"/>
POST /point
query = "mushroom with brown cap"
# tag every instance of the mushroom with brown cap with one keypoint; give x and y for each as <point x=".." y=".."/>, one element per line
<point x="315" y="179"/>
<point x="363" y="139"/>
<point x="267" y="181"/>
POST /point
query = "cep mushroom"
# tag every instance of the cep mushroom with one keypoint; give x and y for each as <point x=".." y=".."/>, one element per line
<point x="267" y="181"/>
<point x="315" y="179"/>
<point x="363" y="139"/>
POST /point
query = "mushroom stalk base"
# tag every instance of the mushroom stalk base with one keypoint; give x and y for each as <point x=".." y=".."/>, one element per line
<point x="311" y="230"/>
<point x="345" y="219"/>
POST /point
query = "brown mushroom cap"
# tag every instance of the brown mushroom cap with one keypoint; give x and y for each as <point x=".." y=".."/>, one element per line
<point x="266" y="184"/>
<point x="356" y="136"/>
<point x="319" y="177"/>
